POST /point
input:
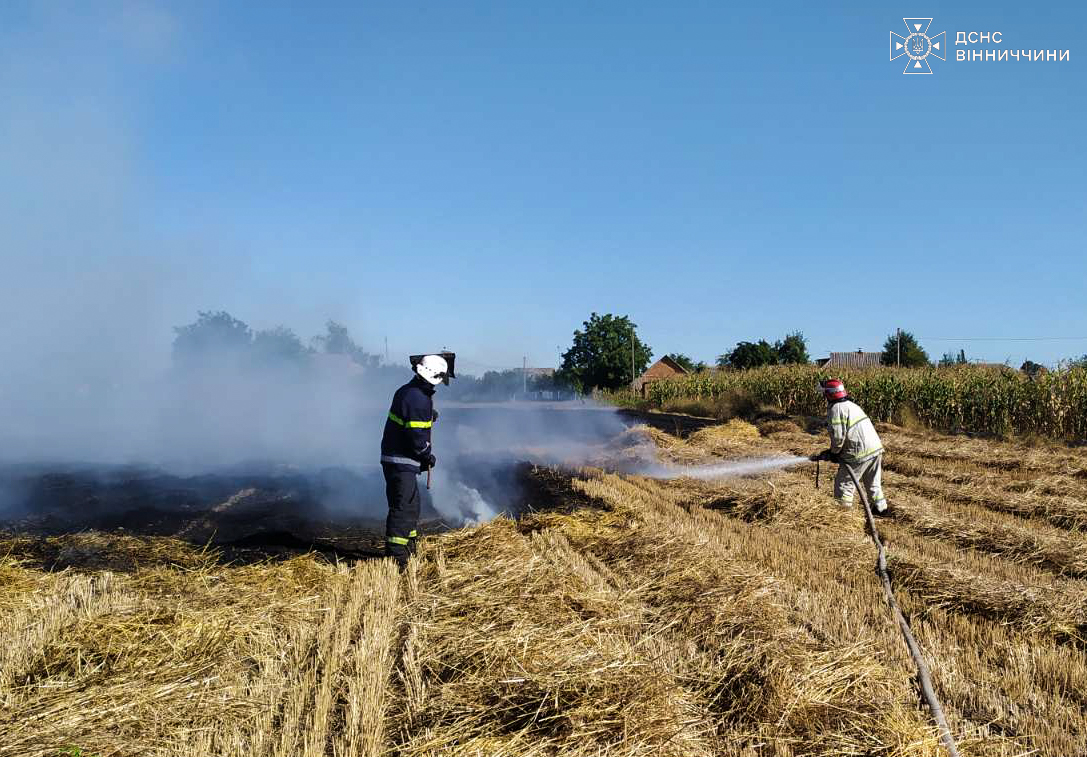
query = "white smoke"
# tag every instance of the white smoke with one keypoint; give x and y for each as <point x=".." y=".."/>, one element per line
<point x="485" y="441"/>
<point x="94" y="282"/>
<point x="458" y="503"/>
<point x="710" y="471"/>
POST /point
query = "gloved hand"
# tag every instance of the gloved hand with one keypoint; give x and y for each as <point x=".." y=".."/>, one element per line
<point x="428" y="462"/>
<point x="828" y="455"/>
<point x="435" y="418"/>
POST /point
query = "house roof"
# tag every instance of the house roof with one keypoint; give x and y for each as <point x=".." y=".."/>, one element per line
<point x="858" y="359"/>
<point x="664" y="368"/>
<point x="672" y="364"/>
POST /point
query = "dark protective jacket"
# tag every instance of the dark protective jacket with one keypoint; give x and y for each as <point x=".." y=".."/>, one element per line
<point x="406" y="441"/>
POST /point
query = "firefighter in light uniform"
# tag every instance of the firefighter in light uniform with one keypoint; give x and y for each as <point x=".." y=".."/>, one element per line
<point x="853" y="443"/>
<point x="406" y="452"/>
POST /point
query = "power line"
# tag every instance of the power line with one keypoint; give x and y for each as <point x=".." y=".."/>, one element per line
<point x="1003" y="338"/>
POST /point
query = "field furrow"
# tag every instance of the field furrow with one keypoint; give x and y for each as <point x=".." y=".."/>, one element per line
<point x="621" y="615"/>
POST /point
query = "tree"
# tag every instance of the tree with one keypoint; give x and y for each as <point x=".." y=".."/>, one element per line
<point x="278" y="345"/>
<point x="912" y="354"/>
<point x="687" y="364"/>
<point x="950" y="358"/>
<point x="1032" y="369"/>
<point x="337" y="341"/>
<point x="749" y="355"/>
<point x="500" y="385"/>
<point x="792" y="350"/>
<point x="600" y="356"/>
<point x="213" y="333"/>
<point x="544" y="382"/>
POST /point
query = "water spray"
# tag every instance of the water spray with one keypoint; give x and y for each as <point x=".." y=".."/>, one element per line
<point x="723" y="469"/>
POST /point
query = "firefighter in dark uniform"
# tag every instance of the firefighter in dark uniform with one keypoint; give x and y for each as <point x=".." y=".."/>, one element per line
<point x="406" y="452"/>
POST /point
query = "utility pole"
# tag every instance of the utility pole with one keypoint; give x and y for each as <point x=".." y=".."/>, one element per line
<point x="632" y="376"/>
<point x="898" y="349"/>
<point x="524" y="375"/>
<point x="386" y="349"/>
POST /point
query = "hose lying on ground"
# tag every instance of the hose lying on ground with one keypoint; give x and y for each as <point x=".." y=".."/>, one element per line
<point x="924" y="678"/>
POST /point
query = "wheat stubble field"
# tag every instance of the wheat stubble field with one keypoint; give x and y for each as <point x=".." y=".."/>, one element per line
<point x="625" y="616"/>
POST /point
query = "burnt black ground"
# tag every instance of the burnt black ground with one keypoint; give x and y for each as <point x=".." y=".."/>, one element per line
<point x="244" y="515"/>
<point x="263" y="510"/>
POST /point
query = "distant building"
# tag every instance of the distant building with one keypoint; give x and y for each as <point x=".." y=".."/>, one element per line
<point x="662" y="370"/>
<point x="850" y="360"/>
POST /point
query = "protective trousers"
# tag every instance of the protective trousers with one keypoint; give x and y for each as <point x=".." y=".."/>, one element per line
<point x="869" y="473"/>
<point x="402" y="491"/>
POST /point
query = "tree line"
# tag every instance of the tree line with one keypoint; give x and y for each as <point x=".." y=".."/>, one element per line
<point x="608" y="354"/>
<point x="217" y="338"/>
<point x="219" y="335"/>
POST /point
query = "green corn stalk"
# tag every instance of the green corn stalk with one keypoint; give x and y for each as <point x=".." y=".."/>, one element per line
<point x="973" y="398"/>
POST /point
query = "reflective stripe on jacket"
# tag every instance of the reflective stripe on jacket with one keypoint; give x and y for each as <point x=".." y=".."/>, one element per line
<point x="406" y="440"/>
<point x="852" y="432"/>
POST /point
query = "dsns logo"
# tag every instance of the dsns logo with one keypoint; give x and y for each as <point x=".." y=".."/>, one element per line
<point x="918" y="46"/>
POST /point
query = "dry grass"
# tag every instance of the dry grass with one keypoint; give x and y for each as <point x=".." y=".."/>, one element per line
<point x="626" y="616"/>
<point x="207" y="660"/>
<point x="723" y="407"/>
<point x="602" y="634"/>
<point x="1057" y="615"/>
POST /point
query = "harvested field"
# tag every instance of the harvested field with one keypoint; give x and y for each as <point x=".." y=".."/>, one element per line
<point x="620" y="615"/>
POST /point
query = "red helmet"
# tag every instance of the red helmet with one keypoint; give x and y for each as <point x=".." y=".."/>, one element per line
<point x="833" y="389"/>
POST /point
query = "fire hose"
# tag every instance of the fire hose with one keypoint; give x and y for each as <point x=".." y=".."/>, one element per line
<point x="924" y="677"/>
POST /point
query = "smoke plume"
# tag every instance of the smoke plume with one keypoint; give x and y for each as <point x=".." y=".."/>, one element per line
<point x="93" y="385"/>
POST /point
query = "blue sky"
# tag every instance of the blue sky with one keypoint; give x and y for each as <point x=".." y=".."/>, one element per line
<point x="482" y="176"/>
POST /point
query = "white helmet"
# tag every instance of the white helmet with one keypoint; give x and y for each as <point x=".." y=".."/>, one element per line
<point x="433" y="369"/>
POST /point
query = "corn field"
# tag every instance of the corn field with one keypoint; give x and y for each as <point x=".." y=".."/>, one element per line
<point x="978" y="399"/>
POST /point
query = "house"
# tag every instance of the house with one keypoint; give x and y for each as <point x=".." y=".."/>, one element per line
<point x="662" y="370"/>
<point x="844" y="360"/>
